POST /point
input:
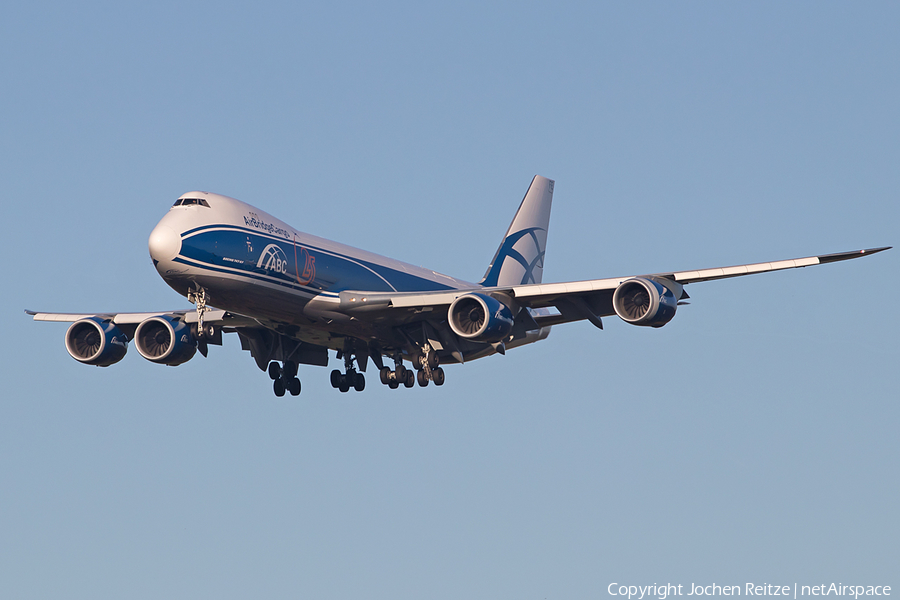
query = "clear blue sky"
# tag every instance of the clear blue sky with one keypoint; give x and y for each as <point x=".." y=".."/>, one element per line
<point x="754" y="438"/>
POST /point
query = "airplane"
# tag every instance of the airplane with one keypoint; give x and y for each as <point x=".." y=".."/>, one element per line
<point x="292" y="298"/>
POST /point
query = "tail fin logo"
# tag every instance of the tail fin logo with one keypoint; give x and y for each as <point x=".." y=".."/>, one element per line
<point x="507" y="251"/>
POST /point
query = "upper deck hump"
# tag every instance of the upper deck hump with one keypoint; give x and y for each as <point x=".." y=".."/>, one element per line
<point x="231" y="211"/>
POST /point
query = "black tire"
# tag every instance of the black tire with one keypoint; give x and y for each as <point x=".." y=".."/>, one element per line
<point x="360" y="383"/>
<point x="336" y="379"/>
<point x="400" y="373"/>
<point x="410" y="378"/>
<point x="344" y="385"/>
<point x="385" y="374"/>
<point x="393" y="385"/>
<point x="423" y="380"/>
<point x="289" y="370"/>
<point x="274" y="371"/>
<point x="279" y="387"/>
<point x="294" y="386"/>
<point x="433" y="360"/>
<point x="438" y="375"/>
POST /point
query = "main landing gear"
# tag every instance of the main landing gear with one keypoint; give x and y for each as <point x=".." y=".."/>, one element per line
<point x="351" y="378"/>
<point x="426" y="364"/>
<point x="285" y="378"/>
<point x="393" y="378"/>
<point x="429" y="370"/>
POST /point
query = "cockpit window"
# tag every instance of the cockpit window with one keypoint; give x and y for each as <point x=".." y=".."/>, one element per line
<point x="192" y="202"/>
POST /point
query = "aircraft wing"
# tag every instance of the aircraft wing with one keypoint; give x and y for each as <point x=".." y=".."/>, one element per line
<point x="220" y="317"/>
<point x="575" y="300"/>
<point x="258" y="337"/>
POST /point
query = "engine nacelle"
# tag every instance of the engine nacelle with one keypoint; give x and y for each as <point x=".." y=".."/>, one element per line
<point x="95" y="341"/>
<point x="165" y="340"/>
<point x="644" y="302"/>
<point x="480" y="318"/>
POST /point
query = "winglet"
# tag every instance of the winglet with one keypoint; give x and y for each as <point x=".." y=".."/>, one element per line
<point x="848" y="255"/>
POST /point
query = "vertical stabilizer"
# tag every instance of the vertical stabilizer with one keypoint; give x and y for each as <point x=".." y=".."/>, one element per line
<point x="520" y="257"/>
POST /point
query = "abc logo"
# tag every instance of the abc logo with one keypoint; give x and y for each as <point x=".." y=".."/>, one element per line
<point x="273" y="258"/>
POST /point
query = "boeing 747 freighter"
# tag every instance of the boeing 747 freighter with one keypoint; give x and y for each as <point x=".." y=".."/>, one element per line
<point x="292" y="298"/>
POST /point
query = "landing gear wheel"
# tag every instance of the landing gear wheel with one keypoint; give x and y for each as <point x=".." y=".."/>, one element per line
<point x="274" y="371"/>
<point x="410" y="379"/>
<point x="336" y="379"/>
<point x="385" y="374"/>
<point x="400" y="373"/>
<point x="294" y="386"/>
<point x="344" y="385"/>
<point x="433" y="360"/>
<point x="438" y="376"/>
<point x="289" y="370"/>
<point x="360" y="383"/>
<point x="422" y="379"/>
<point x="393" y="384"/>
<point x="279" y="387"/>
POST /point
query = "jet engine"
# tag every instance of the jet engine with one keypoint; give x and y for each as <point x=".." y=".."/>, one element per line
<point x="645" y="302"/>
<point x="165" y="340"/>
<point x="95" y="341"/>
<point x="480" y="318"/>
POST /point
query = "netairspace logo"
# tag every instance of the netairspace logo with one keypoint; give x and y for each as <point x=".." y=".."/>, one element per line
<point x="661" y="592"/>
<point x="273" y="258"/>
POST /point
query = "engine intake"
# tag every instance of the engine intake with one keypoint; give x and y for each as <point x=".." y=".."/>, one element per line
<point x="480" y="318"/>
<point x="165" y="340"/>
<point x="94" y="341"/>
<point x="644" y="302"/>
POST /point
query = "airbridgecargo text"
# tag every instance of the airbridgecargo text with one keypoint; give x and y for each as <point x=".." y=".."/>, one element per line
<point x="663" y="591"/>
<point x="257" y="223"/>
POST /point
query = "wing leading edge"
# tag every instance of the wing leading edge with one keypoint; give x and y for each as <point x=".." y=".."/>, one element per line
<point x="222" y="317"/>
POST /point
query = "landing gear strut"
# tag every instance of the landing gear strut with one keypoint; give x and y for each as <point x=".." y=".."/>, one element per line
<point x="427" y="362"/>
<point x="199" y="298"/>
<point x="285" y="378"/>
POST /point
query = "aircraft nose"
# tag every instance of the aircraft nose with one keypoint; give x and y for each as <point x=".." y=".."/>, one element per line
<point x="164" y="243"/>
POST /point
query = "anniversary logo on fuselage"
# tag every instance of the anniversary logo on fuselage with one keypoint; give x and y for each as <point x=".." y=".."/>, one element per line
<point x="309" y="266"/>
<point x="274" y="259"/>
